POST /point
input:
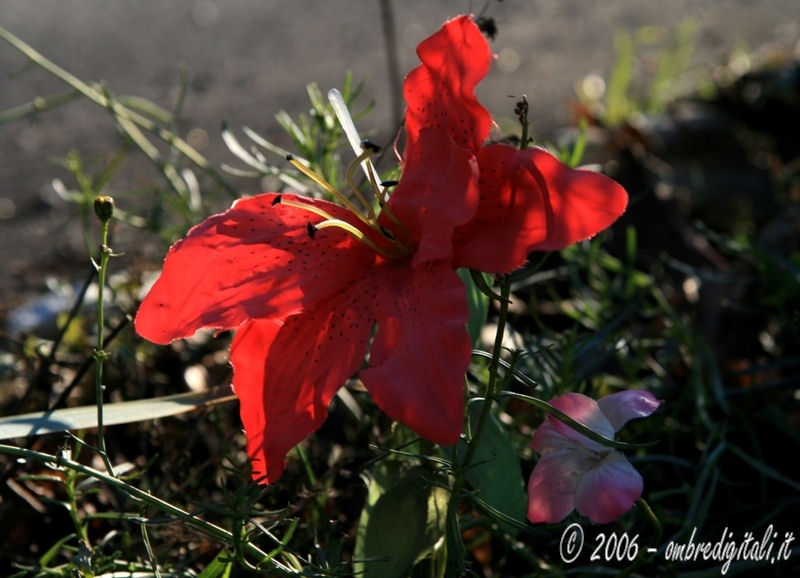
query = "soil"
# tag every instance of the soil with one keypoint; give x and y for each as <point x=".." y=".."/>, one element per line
<point x="248" y="59"/>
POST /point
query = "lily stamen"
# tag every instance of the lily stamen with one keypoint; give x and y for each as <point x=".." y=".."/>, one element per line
<point x="360" y="236"/>
<point x="349" y="175"/>
<point x="332" y="190"/>
<point x="370" y="219"/>
<point x="355" y="232"/>
<point x="304" y="206"/>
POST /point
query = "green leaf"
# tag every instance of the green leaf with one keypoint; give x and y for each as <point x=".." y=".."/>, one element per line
<point x="51" y="553"/>
<point x="85" y="417"/>
<point x="403" y="518"/>
<point x="477" y="286"/>
<point x="495" y="473"/>
<point x="220" y="567"/>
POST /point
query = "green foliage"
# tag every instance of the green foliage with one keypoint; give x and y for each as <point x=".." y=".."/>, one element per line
<point x="402" y="520"/>
<point x="477" y="299"/>
<point x="623" y="96"/>
<point x="317" y="136"/>
<point x="495" y="474"/>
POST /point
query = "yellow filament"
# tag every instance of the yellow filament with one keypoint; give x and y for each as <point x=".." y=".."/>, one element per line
<point x="380" y="193"/>
<point x="330" y="188"/>
<point x="364" y="156"/>
<point x="307" y="207"/>
<point x="331" y="221"/>
<point x="369" y="220"/>
<point x="357" y="234"/>
<point x="397" y="222"/>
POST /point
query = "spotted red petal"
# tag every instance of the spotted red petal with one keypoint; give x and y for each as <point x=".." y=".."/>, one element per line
<point x="285" y="374"/>
<point x="440" y="92"/>
<point x="438" y="191"/>
<point x="255" y="260"/>
<point x="421" y="350"/>
<point x="530" y="201"/>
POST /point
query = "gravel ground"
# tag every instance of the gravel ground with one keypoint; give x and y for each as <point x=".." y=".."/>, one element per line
<point x="247" y="59"/>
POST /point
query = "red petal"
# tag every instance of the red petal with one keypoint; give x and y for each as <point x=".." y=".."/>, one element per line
<point x="421" y="350"/>
<point x="530" y="201"/>
<point x="286" y="374"/>
<point x="255" y="260"/>
<point x="440" y="92"/>
<point x="438" y="191"/>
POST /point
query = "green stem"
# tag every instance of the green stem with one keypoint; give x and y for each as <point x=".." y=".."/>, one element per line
<point x="38" y="104"/>
<point x="320" y="499"/>
<point x="148" y="548"/>
<point x="653" y="519"/>
<point x="69" y="485"/>
<point x="453" y="534"/>
<point x="100" y="354"/>
<point x="643" y="556"/>
<point x="494" y="365"/>
<point x="135" y="493"/>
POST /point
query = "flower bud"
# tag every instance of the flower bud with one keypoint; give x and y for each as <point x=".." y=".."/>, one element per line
<point x="103" y="207"/>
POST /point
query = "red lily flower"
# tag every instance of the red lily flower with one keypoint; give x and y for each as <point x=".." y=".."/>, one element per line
<point x="302" y="281"/>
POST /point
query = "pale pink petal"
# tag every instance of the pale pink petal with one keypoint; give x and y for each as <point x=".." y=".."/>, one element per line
<point x="547" y="439"/>
<point x="609" y="490"/>
<point x="586" y="411"/>
<point x="624" y="406"/>
<point x="551" y="487"/>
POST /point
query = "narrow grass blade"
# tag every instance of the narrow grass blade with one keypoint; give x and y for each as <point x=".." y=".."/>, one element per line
<point x="85" y="417"/>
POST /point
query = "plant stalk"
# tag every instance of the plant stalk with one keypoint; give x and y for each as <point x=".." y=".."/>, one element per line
<point x="135" y="493"/>
<point x="103" y="208"/>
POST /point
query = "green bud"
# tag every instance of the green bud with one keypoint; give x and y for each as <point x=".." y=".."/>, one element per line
<point x="103" y="207"/>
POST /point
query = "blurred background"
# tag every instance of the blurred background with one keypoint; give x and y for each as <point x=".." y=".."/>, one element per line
<point x="245" y="60"/>
<point x="694" y="294"/>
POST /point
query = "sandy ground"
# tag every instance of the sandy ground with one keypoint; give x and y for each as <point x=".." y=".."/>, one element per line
<point x="247" y="59"/>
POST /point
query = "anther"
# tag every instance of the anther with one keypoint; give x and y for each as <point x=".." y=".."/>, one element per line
<point x="312" y="230"/>
<point x="386" y="233"/>
<point x="370" y="146"/>
<point x="389" y="183"/>
<point x="276" y="200"/>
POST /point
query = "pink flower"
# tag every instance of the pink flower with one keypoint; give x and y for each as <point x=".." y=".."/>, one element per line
<point x="575" y="472"/>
